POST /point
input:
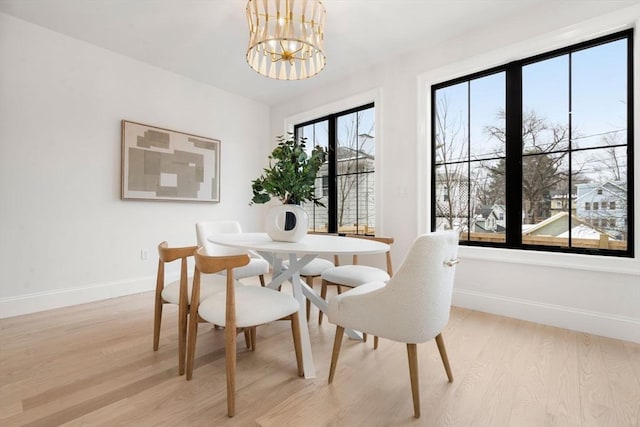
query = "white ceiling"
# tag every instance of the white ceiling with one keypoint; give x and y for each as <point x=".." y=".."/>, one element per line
<point x="206" y="39"/>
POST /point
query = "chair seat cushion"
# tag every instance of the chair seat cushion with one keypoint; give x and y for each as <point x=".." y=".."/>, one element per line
<point x="341" y="312"/>
<point x="256" y="267"/>
<point x="209" y="284"/>
<point x="254" y="306"/>
<point x="314" y="268"/>
<point x="354" y="275"/>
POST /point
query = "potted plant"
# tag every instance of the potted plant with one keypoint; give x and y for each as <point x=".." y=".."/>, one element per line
<point x="289" y="178"/>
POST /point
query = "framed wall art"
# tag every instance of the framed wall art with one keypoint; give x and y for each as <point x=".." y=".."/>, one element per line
<point x="162" y="164"/>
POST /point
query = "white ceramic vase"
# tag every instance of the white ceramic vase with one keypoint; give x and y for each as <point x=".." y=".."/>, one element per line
<point x="282" y="230"/>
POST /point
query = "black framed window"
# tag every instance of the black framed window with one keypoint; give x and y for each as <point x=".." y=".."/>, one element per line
<point x="346" y="182"/>
<point x="538" y="153"/>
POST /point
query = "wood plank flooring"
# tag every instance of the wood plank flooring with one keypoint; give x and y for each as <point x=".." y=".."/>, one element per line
<point x="93" y="365"/>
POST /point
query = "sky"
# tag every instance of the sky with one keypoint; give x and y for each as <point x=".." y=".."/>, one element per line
<point x="598" y="98"/>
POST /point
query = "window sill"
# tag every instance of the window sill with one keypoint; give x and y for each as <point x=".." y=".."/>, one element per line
<point x="555" y="260"/>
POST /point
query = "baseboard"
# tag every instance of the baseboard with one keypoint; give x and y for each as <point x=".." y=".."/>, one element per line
<point x="618" y="327"/>
<point x="41" y="301"/>
<point x="612" y="326"/>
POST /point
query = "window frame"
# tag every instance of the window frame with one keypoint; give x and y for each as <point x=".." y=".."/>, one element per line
<point x="332" y="178"/>
<point x="514" y="155"/>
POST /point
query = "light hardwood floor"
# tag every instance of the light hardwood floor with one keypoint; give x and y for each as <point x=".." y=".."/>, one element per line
<point x="93" y="365"/>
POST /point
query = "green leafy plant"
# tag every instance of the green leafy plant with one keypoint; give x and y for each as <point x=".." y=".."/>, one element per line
<point x="291" y="174"/>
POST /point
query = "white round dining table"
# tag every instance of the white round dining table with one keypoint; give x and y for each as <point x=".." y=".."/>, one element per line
<point x="299" y="254"/>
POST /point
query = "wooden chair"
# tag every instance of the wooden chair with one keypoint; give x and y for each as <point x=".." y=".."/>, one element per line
<point x="413" y="307"/>
<point x="178" y="292"/>
<point x="257" y="265"/>
<point x="237" y="309"/>
<point x="354" y="275"/>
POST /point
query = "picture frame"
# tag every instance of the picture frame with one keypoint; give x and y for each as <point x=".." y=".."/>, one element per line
<point x="163" y="164"/>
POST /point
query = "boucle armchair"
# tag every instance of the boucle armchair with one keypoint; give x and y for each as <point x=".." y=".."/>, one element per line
<point x="413" y="307"/>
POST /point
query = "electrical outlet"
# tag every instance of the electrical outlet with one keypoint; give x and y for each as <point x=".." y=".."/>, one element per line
<point x="143" y="254"/>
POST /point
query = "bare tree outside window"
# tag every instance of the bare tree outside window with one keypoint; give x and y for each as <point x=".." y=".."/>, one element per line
<point x="355" y="157"/>
<point x="568" y="168"/>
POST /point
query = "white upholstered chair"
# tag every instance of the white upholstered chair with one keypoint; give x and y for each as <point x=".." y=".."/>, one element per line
<point x="238" y="308"/>
<point x="178" y="292"/>
<point x="257" y="266"/>
<point x="413" y="307"/>
<point x="354" y="275"/>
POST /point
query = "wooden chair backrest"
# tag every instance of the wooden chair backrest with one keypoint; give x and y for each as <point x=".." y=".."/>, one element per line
<point x="167" y="254"/>
<point x="387" y="240"/>
<point x="213" y="264"/>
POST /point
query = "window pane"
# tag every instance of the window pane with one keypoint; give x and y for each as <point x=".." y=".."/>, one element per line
<point x="451" y="123"/>
<point x="487" y="117"/>
<point x="545" y="105"/>
<point x="317" y="134"/>
<point x="488" y="201"/>
<point x="545" y="190"/>
<point x="366" y="204"/>
<point x="355" y="157"/>
<point x="599" y="95"/>
<point x="568" y="171"/>
<point x="347" y="204"/>
<point x="601" y="197"/>
<point x="452" y="198"/>
<point x="356" y="135"/>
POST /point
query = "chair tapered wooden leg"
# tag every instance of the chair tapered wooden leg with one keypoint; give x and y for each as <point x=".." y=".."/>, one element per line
<point x="364" y="337"/>
<point x="337" y="343"/>
<point x="443" y="355"/>
<point x="230" y="353"/>
<point x="412" y="353"/>
<point x="375" y="342"/>
<point x="247" y="338"/>
<point x="254" y="341"/>
<point x="261" y="277"/>
<point x="182" y="337"/>
<point x="157" y="319"/>
<point x="323" y="295"/>
<point x="309" y="280"/>
<point x="297" y="345"/>
<point x="191" y="343"/>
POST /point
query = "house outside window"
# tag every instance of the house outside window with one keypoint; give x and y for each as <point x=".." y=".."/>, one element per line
<point x="346" y="181"/>
<point x="550" y="139"/>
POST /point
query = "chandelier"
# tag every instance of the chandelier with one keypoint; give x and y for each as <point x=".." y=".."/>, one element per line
<point x="286" y="38"/>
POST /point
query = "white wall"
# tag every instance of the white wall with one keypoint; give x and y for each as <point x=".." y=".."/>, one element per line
<point x="600" y="295"/>
<point x="65" y="235"/>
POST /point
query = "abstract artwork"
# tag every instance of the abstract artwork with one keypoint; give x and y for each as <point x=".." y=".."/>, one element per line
<point x="162" y="164"/>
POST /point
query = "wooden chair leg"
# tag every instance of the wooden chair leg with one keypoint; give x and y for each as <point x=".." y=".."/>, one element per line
<point x="309" y="280"/>
<point x="337" y="343"/>
<point x="182" y="337"/>
<point x="157" y="319"/>
<point x="247" y="338"/>
<point x="364" y="337"/>
<point x="191" y="344"/>
<point x="443" y="355"/>
<point x="323" y="295"/>
<point x="412" y="353"/>
<point x="254" y="341"/>
<point x="230" y="354"/>
<point x="297" y="345"/>
<point x="375" y="342"/>
<point x="261" y="277"/>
